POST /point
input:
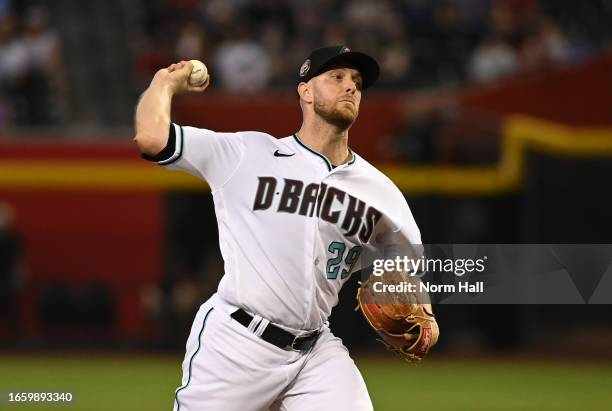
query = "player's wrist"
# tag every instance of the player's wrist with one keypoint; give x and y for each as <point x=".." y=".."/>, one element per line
<point x="164" y="84"/>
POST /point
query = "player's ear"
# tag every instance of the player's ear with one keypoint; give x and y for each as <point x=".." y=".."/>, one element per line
<point x="305" y="92"/>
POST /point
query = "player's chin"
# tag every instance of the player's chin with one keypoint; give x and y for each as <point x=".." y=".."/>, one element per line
<point x="347" y="110"/>
<point x="349" y="115"/>
<point x="341" y="119"/>
<point x="340" y="115"/>
<point x="347" y="106"/>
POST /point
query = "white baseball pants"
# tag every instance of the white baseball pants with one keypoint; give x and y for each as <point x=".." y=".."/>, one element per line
<point x="229" y="368"/>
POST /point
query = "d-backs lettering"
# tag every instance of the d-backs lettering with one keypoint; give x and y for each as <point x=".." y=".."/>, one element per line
<point x="357" y="217"/>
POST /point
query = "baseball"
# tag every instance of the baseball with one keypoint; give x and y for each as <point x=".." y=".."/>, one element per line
<point x="199" y="73"/>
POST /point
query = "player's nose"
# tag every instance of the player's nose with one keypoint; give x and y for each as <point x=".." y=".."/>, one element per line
<point x="351" y="87"/>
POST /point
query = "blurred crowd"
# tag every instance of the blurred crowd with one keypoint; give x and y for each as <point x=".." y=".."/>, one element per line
<point x="258" y="44"/>
<point x="31" y="82"/>
<point x="255" y="45"/>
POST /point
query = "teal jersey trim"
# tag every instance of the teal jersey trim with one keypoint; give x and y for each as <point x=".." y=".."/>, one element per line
<point x="329" y="165"/>
<point x="178" y="404"/>
<point x="352" y="159"/>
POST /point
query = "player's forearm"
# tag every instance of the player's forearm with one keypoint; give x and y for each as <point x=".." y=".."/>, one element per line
<point x="152" y="120"/>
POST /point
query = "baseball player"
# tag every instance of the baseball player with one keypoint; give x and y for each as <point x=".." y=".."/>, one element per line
<point x="294" y="214"/>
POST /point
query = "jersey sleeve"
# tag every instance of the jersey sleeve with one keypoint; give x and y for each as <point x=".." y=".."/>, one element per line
<point x="203" y="153"/>
<point x="398" y="234"/>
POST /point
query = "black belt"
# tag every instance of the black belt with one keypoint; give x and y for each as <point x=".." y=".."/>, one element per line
<point x="278" y="336"/>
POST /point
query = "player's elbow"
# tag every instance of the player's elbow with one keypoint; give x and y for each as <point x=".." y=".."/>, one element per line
<point x="148" y="144"/>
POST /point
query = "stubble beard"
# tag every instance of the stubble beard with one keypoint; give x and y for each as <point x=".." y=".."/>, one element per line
<point x="343" y="119"/>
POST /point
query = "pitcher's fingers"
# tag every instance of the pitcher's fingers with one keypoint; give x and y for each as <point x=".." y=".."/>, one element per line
<point x="199" y="89"/>
<point x="206" y="83"/>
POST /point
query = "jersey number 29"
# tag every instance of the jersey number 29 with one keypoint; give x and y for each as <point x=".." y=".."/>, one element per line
<point x="336" y="262"/>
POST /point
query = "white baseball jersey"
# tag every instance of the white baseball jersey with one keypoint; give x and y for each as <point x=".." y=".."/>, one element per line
<point x="291" y="226"/>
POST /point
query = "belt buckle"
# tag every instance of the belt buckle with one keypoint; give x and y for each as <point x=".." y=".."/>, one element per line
<point x="302" y="337"/>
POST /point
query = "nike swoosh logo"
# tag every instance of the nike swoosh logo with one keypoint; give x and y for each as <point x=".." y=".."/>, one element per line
<point x="279" y="154"/>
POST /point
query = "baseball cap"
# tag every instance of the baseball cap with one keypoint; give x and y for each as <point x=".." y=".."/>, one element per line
<point x="323" y="58"/>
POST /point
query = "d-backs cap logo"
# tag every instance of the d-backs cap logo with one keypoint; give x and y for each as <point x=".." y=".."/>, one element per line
<point x="305" y="67"/>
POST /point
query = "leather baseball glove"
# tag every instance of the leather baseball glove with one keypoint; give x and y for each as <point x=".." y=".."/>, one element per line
<point x="406" y="325"/>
